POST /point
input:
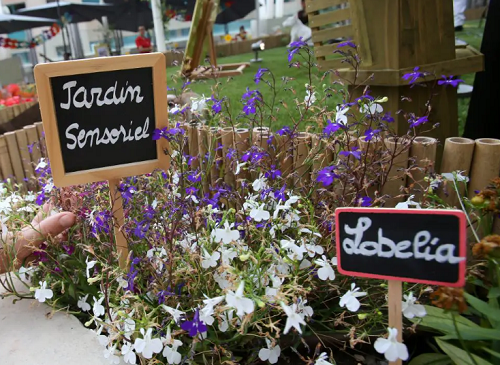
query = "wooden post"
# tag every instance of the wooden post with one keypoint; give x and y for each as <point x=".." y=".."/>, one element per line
<point x="15" y="157"/>
<point x="118" y="221"/>
<point x="395" y="310"/>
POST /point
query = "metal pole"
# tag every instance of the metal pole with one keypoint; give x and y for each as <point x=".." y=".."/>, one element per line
<point x="158" y="24"/>
<point x="257" y="17"/>
<point x="60" y="18"/>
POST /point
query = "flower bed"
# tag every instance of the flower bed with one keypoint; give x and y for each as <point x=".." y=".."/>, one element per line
<point x="232" y="256"/>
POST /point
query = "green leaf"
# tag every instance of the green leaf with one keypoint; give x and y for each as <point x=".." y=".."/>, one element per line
<point x="431" y="359"/>
<point x="473" y="334"/>
<point x="494" y="293"/>
<point x="442" y="321"/>
<point x="491" y="352"/>
<point x="492" y="313"/>
<point x="459" y="356"/>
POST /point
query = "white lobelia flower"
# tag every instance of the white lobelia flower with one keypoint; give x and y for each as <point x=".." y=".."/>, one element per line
<point x="455" y="176"/>
<point x="175" y="313"/>
<point x="295" y="252"/>
<point x="410" y="309"/>
<point x="170" y="351"/>
<point x="128" y="327"/>
<point x="147" y="346"/>
<point x="294" y="319"/>
<point x="310" y="99"/>
<point x="226" y="318"/>
<point x="259" y="214"/>
<point x="206" y="313"/>
<point x="287" y="206"/>
<point x="209" y="260"/>
<point x="82" y="303"/>
<point x="41" y="164"/>
<point x="239" y="165"/>
<point x="271" y="353"/>
<point x="25" y="271"/>
<point x="390" y="347"/>
<point x="350" y="299"/>
<point x="90" y="265"/>
<point x="322" y="359"/>
<point x="43" y="293"/>
<point x="122" y="283"/>
<point x="239" y="302"/>
<point x="371" y="108"/>
<point x="128" y="353"/>
<point x="198" y="104"/>
<point x="259" y="183"/>
<point x="226" y="235"/>
<point x="30" y="197"/>
<point x="222" y="279"/>
<point x="109" y="353"/>
<point x="98" y="308"/>
<point x="303" y="309"/>
<point x="341" y="116"/>
<point x="408" y="204"/>
<point x="326" y="271"/>
<point x="313" y="250"/>
<point x="228" y="255"/>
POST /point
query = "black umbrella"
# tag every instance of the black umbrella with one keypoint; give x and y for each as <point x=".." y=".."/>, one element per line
<point x="14" y="23"/>
<point x="234" y="10"/>
<point x="130" y="15"/>
<point x="78" y="12"/>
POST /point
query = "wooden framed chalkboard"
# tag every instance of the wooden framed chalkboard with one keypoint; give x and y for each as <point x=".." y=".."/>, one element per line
<point x="99" y="116"/>
<point x="425" y="246"/>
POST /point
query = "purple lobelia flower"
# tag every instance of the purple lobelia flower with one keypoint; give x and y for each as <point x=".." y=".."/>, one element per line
<point x="195" y="326"/>
<point x="414" y="76"/>
<point x="259" y="75"/>
<point x="285" y="131"/>
<point x="273" y="173"/>
<point x="370" y="133"/>
<point x="355" y="152"/>
<point x="331" y="128"/>
<point x="346" y="43"/>
<point x="194" y="176"/>
<point x="365" y="201"/>
<point x="326" y="176"/>
<point x="217" y="105"/>
<point x="415" y="122"/>
<point x="280" y="194"/>
<point x="449" y="81"/>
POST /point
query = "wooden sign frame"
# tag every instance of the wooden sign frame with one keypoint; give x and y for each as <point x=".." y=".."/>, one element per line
<point x="462" y="244"/>
<point x="43" y="74"/>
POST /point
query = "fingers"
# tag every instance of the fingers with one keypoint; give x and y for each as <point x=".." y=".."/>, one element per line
<point x="31" y="237"/>
<point x="46" y="209"/>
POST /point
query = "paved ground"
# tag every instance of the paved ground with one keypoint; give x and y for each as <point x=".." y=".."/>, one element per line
<point x="28" y="337"/>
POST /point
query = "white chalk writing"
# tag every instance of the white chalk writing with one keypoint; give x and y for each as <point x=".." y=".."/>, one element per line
<point x="420" y="247"/>
<point x="80" y="137"/>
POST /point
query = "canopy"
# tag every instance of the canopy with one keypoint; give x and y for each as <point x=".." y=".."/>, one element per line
<point x="78" y="12"/>
<point x="130" y="15"/>
<point x="234" y="10"/>
<point x="15" y="23"/>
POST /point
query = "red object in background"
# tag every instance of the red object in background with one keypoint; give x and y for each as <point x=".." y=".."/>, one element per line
<point x="143" y="42"/>
<point x="228" y="4"/>
<point x="13" y="89"/>
<point x="188" y="17"/>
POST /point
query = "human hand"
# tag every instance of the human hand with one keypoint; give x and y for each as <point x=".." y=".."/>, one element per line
<point x="31" y="237"/>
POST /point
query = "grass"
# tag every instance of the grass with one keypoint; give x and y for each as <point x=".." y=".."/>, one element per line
<point x="294" y="87"/>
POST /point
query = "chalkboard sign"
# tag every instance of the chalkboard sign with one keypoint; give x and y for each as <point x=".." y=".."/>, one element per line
<point x="414" y="245"/>
<point x="99" y="116"/>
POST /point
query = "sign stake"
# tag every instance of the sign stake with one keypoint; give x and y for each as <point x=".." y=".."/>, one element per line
<point x="395" y="311"/>
<point x="118" y="220"/>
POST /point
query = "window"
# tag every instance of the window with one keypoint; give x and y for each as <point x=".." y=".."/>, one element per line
<point x="91" y="1"/>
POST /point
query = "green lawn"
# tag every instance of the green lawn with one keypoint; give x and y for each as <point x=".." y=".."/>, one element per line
<point x="296" y="78"/>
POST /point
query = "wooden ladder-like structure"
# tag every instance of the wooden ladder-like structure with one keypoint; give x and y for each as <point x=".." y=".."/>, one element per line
<point x="201" y="33"/>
